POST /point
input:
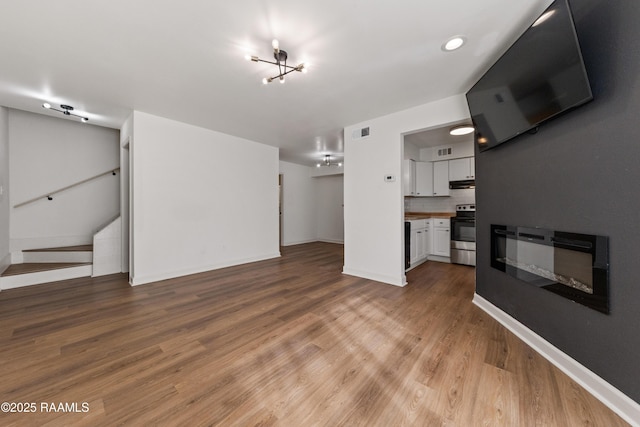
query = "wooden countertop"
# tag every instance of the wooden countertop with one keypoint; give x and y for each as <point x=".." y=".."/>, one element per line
<point x="426" y="215"/>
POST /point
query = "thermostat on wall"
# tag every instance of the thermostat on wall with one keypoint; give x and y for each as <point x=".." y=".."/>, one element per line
<point x="389" y="178"/>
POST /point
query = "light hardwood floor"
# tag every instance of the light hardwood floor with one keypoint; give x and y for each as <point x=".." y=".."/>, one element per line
<point x="287" y="342"/>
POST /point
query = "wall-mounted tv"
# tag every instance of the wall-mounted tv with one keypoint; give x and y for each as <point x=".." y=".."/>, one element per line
<point x="539" y="77"/>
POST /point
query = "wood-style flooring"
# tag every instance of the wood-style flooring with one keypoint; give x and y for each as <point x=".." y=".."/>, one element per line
<point x="286" y="342"/>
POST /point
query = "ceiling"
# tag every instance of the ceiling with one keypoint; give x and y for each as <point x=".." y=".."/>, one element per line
<point x="438" y="136"/>
<point x="185" y="61"/>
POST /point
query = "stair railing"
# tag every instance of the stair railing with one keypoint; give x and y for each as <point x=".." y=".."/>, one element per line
<point x="49" y="195"/>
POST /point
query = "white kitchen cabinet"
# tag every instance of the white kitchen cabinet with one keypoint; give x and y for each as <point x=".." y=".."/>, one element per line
<point x="409" y="177"/>
<point x="413" y="248"/>
<point x="441" y="237"/>
<point x="441" y="178"/>
<point x="425" y="241"/>
<point x="420" y="241"/>
<point x="462" y="169"/>
<point x="424" y="179"/>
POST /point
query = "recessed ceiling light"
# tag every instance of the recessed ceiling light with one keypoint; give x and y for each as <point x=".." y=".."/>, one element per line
<point x="454" y="43"/>
<point x="461" y="130"/>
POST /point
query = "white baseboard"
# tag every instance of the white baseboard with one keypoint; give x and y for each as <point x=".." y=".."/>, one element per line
<point x="376" y="277"/>
<point x="439" y="258"/>
<point x="337" y="241"/>
<point x="150" y="278"/>
<point x="299" y="242"/>
<point x="617" y="401"/>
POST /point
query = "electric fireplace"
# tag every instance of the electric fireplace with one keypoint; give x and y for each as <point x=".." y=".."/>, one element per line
<point x="575" y="266"/>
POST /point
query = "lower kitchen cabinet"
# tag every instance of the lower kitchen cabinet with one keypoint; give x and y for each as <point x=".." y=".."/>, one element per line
<point x="441" y="237"/>
<point x="429" y="240"/>
<point x="420" y="241"/>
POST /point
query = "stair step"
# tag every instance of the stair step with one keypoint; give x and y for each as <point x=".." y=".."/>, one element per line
<point x="78" y="248"/>
<point x="19" y="275"/>
<point x="34" y="267"/>
<point x="83" y="253"/>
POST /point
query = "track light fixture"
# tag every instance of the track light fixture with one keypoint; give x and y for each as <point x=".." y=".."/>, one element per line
<point x="327" y="162"/>
<point x="281" y="62"/>
<point x="66" y="110"/>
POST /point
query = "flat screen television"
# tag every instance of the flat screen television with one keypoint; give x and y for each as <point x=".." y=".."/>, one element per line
<point x="539" y="77"/>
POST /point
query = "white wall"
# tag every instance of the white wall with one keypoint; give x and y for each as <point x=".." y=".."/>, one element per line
<point x="298" y="204"/>
<point x="201" y="199"/>
<point x="374" y="209"/>
<point x="465" y="148"/>
<point x="126" y="135"/>
<point x="326" y="171"/>
<point x="440" y="204"/>
<point x="312" y="204"/>
<point x="46" y="154"/>
<point x="329" y="206"/>
<point x="5" y="258"/>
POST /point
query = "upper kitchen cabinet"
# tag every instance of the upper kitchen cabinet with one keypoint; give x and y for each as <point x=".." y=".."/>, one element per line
<point x="419" y="179"/>
<point x="462" y="169"/>
<point x="441" y="178"/>
<point x="424" y="179"/>
<point x="409" y="177"/>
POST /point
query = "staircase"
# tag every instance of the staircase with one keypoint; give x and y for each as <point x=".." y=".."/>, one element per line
<point x="49" y="265"/>
<point x="53" y="264"/>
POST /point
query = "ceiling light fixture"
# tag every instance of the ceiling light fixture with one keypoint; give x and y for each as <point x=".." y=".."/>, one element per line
<point x="281" y="62"/>
<point x="461" y="130"/>
<point x="327" y="162"/>
<point x="543" y="18"/>
<point x="454" y="43"/>
<point x="66" y="110"/>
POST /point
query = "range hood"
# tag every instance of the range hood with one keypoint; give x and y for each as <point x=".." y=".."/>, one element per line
<point x="466" y="183"/>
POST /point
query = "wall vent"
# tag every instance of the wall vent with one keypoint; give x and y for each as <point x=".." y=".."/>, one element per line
<point x="443" y="152"/>
<point x="360" y="133"/>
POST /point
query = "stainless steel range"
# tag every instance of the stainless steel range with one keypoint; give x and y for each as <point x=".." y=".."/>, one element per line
<point x="463" y="235"/>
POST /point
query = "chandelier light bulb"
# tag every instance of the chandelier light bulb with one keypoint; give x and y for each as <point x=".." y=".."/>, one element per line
<point x="67" y="110"/>
<point x="283" y="68"/>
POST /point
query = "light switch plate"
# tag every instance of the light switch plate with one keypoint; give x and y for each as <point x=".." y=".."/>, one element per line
<point x="389" y="178"/>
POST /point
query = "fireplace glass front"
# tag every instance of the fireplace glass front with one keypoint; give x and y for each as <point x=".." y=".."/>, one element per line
<point x="572" y="265"/>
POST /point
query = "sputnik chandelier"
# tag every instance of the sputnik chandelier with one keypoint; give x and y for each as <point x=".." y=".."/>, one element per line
<point x="281" y="62"/>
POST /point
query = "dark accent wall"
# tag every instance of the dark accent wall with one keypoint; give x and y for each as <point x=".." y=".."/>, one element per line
<point x="579" y="173"/>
